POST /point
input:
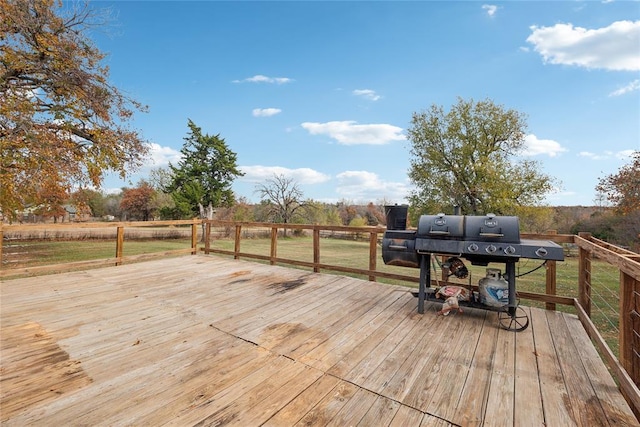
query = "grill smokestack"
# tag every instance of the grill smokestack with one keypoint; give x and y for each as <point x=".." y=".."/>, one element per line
<point x="396" y="216"/>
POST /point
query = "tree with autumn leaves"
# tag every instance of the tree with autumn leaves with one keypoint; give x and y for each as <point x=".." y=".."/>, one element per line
<point x="62" y="124"/>
<point x="623" y="188"/>
<point x="139" y="203"/>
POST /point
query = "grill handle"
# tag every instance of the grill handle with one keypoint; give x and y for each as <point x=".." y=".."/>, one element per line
<point x="398" y="247"/>
<point x="491" y="234"/>
<point x="439" y="232"/>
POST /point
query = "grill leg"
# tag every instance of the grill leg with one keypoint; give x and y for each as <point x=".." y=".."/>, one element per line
<point x="511" y="279"/>
<point x="425" y="279"/>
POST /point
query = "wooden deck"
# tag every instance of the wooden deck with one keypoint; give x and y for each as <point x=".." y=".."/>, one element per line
<point x="203" y="340"/>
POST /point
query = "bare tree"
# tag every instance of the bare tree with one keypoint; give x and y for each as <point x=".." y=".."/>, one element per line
<point x="283" y="197"/>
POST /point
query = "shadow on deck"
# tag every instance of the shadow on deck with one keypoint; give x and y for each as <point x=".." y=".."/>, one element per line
<point x="203" y="340"/>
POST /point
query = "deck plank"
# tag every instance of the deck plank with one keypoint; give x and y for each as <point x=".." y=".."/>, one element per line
<point x="472" y="402"/>
<point x="587" y="410"/>
<point x="206" y="340"/>
<point x="381" y="412"/>
<point x="453" y="368"/>
<point x="301" y="404"/>
<point x="500" y="404"/>
<point x="324" y="411"/>
<point x="556" y="405"/>
<point x="528" y="396"/>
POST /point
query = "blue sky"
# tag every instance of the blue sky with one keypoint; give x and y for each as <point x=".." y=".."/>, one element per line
<point x="323" y="92"/>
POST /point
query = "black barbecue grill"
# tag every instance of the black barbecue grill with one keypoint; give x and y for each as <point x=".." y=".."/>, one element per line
<point x="479" y="239"/>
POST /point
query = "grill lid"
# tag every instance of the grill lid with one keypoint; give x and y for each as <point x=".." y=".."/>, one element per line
<point x="441" y="226"/>
<point x="491" y="228"/>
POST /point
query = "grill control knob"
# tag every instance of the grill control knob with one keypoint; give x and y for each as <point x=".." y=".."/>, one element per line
<point x="541" y="252"/>
<point x="491" y="249"/>
<point x="509" y="250"/>
<point x="473" y="247"/>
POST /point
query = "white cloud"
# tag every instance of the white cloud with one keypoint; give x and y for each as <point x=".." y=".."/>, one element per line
<point x="109" y="191"/>
<point x="490" y="8"/>
<point x="590" y="155"/>
<point x="624" y="154"/>
<point x="535" y="146"/>
<point x="367" y="186"/>
<point x="160" y="156"/>
<point x="369" y="94"/>
<point x="350" y="133"/>
<point x="611" y="48"/>
<point x="265" y="112"/>
<point x="631" y="87"/>
<point x="620" y="155"/>
<point x="259" y="78"/>
<point x="260" y="173"/>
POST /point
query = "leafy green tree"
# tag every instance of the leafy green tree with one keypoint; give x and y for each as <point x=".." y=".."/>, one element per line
<point x="62" y="124"/>
<point x="536" y="219"/>
<point x="315" y="212"/>
<point x="333" y="215"/>
<point x="159" y="179"/>
<point x="202" y="179"/>
<point x="465" y="157"/>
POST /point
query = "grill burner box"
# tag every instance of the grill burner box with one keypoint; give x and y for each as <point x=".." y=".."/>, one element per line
<point x="479" y="239"/>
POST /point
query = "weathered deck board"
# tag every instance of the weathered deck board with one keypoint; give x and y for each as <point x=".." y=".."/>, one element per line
<point x="202" y="340"/>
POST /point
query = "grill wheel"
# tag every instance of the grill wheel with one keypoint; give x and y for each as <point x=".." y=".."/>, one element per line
<point x="518" y="321"/>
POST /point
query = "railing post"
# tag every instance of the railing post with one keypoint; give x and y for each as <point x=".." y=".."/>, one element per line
<point x="207" y="237"/>
<point x="316" y="248"/>
<point x="629" y="326"/>
<point x="274" y="245"/>
<point x="373" y="254"/>
<point x="551" y="287"/>
<point x="584" y="276"/>
<point x="1" y="242"/>
<point x="194" y="237"/>
<point x="119" y="244"/>
<point x="236" y="248"/>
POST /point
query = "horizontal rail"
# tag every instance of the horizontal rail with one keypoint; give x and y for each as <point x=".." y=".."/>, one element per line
<point x="103" y="262"/>
<point x="326" y="267"/>
<point x="623" y="261"/>
<point x="75" y="225"/>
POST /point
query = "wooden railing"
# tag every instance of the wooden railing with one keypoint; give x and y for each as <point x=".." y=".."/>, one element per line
<point x="118" y="257"/>
<point x="625" y="366"/>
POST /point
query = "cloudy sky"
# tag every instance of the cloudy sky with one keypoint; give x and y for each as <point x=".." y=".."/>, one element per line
<point x="323" y="92"/>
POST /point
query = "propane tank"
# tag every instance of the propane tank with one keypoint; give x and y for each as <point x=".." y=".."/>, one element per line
<point x="494" y="289"/>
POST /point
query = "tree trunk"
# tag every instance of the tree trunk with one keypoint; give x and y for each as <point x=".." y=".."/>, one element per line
<point x="205" y="213"/>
